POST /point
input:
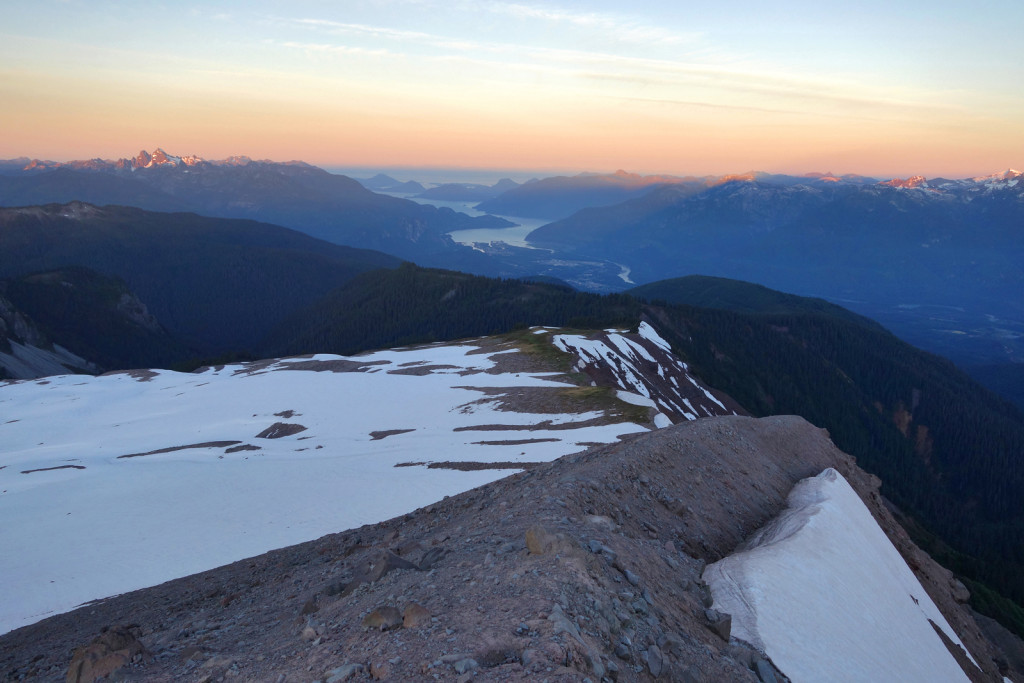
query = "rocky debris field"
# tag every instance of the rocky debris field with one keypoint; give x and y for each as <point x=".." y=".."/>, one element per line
<point x="586" y="568"/>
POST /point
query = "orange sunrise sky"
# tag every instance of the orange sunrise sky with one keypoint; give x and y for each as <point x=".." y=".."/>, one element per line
<point x="881" y="89"/>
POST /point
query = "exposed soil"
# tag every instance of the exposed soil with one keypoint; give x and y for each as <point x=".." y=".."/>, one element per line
<point x="469" y="466"/>
<point x="586" y="568"/>
<point x="420" y="370"/>
<point x="512" y="442"/>
<point x="141" y="374"/>
<point x="243" y="447"/>
<point x="171" y="449"/>
<point x="48" y="469"/>
<point x="280" y="430"/>
<point x="545" y="425"/>
<point x="383" y="434"/>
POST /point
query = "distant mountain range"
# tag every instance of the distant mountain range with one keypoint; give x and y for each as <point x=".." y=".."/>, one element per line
<point x="385" y="183"/>
<point x="468" y="192"/>
<point x="884" y="249"/>
<point x="935" y="260"/>
<point x="561" y="196"/>
<point x="741" y="221"/>
<point x="448" y="192"/>
<point x="294" y="194"/>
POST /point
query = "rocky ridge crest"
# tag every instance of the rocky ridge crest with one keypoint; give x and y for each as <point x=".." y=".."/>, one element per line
<point x="587" y="568"/>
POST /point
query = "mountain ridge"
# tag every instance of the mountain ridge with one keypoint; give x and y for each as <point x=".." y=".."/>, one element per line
<point x="585" y="588"/>
<point x="292" y="194"/>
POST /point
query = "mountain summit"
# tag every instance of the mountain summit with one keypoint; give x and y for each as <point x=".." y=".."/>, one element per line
<point x="161" y="158"/>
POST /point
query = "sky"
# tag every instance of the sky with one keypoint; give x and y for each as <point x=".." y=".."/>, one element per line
<point x="877" y="88"/>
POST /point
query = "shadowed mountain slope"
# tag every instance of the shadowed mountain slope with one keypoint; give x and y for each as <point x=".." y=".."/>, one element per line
<point x="948" y="450"/>
<point x="217" y="284"/>
<point x="561" y="196"/>
<point x="413" y="305"/>
<point x="743" y="297"/>
<point x="296" y="195"/>
<point x="94" y="316"/>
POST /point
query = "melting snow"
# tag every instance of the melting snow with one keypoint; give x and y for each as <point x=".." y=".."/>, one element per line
<point x="661" y="420"/>
<point x="111" y="524"/>
<point x="651" y="335"/>
<point x="825" y="594"/>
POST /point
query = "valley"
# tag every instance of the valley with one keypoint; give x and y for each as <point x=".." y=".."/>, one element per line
<point x="976" y="323"/>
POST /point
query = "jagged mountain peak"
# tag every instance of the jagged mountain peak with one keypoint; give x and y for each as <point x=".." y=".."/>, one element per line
<point x="159" y="157"/>
<point x="911" y="182"/>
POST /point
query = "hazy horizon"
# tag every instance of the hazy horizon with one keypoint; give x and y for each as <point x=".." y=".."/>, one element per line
<point x="874" y="88"/>
<point x="440" y="174"/>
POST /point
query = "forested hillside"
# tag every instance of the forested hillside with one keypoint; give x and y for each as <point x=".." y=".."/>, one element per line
<point x="217" y="284"/>
<point x="95" y="316"/>
<point x="743" y="297"/>
<point x="414" y="305"/>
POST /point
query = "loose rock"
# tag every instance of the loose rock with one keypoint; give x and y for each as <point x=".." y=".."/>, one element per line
<point x="383" y="618"/>
<point x="107" y="653"/>
<point x="415" y="615"/>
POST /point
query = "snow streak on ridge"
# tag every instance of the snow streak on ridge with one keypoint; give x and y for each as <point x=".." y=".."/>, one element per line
<point x="824" y="593"/>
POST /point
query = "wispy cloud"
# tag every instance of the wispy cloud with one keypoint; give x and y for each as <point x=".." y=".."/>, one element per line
<point x="616" y="28"/>
<point x="735" y="82"/>
<point x="368" y="32"/>
<point x="364" y="30"/>
<point x="336" y="49"/>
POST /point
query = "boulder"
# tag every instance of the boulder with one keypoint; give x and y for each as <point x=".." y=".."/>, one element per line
<point x="720" y="624"/>
<point x="540" y="541"/>
<point x="374" y="568"/>
<point x="383" y="618"/>
<point x="655" y="661"/>
<point x="415" y="615"/>
<point x="344" y="673"/>
<point x="108" y="652"/>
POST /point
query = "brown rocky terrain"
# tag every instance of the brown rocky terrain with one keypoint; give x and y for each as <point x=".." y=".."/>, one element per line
<point x="586" y="568"/>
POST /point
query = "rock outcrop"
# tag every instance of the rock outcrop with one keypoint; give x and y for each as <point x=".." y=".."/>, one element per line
<point x="585" y="568"/>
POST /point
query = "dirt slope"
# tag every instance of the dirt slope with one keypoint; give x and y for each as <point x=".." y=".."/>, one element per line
<point x="584" y="568"/>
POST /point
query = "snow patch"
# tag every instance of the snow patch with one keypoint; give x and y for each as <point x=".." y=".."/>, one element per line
<point x="661" y="420"/>
<point x="651" y="335"/>
<point x="635" y="399"/>
<point x="188" y="506"/>
<point x="823" y="578"/>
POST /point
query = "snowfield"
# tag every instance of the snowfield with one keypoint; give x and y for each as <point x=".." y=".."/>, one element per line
<point x="827" y="597"/>
<point x="118" y="482"/>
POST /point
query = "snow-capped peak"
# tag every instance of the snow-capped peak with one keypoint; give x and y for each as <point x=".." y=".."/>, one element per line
<point x="1008" y="179"/>
<point x="911" y="182"/>
<point x="1008" y="174"/>
<point x="161" y="158"/>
